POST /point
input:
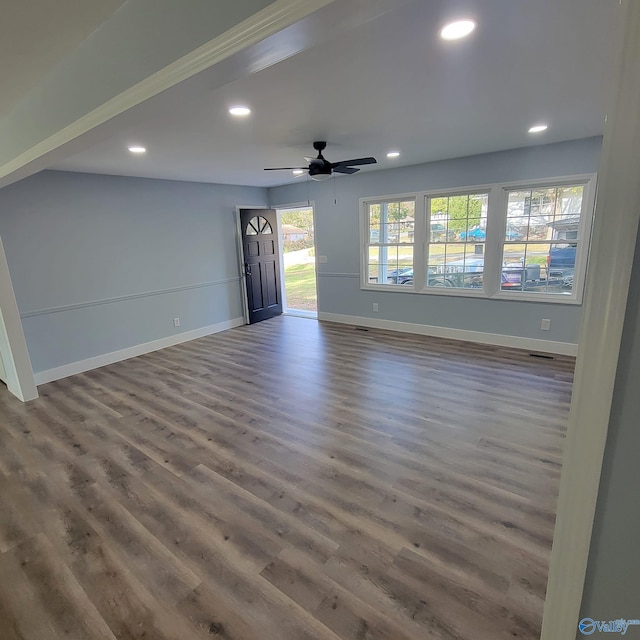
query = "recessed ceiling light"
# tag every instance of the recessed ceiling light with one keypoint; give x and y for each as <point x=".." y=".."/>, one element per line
<point x="393" y="154"/>
<point x="239" y="111"/>
<point x="298" y="172"/>
<point x="137" y="149"/>
<point x="538" y="128"/>
<point x="457" y="29"/>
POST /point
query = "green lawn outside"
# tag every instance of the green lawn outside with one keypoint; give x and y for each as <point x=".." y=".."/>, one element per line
<point x="300" y="285"/>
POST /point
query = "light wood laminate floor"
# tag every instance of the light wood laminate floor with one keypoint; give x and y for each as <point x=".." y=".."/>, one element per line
<point x="289" y="480"/>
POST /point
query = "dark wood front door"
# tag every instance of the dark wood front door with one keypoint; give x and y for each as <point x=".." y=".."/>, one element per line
<point x="261" y="263"/>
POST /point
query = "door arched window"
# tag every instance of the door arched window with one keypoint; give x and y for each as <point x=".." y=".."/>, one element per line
<point x="257" y="225"/>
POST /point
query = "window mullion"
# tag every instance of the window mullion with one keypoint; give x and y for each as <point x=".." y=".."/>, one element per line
<point x="494" y="245"/>
<point x="420" y="249"/>
<point x="383" y="253"/>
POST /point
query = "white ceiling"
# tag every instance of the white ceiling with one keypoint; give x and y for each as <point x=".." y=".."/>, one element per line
<point x="36" y="34"/>
<point x="387" y="83"/>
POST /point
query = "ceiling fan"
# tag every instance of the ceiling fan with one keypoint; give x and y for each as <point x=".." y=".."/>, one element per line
<point x="320" y="168"/>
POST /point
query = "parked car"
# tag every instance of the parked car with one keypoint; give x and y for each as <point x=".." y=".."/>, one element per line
<point x="469" y="274"/>
<point x="439" y="233"/>
<point x="457" y="273"/>
<point x="477" y="233"/>
<point x="400" y="276"/>
<point x="374" y="236"/>
<point x="561" y="263"/>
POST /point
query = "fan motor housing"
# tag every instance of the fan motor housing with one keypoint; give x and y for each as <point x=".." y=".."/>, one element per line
<point x="320" y="166"/>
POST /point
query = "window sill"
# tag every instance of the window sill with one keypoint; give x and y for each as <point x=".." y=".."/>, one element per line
<point x="475" y="293"/>
<point x="538" y="297"/>
<point x="436" y="291"/>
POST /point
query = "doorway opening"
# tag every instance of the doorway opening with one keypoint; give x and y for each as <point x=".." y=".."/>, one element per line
<point x="297" y="244"/>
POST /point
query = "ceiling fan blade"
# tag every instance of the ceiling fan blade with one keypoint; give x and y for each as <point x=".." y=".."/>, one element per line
<point x="287" y="169"/>
<point x="348" y="170"/>
<point x="354" y="163"/>
<point x="309" y="159"/>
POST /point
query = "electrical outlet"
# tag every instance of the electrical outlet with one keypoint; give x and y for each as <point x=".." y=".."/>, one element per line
<point x="375" y="306"/>
<point x="545" y="325"/>
<point x="176" y="322"/>
<point x="322" y="259"/>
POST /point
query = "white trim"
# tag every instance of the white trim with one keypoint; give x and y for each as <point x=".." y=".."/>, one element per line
<point x="133" y="296"/>
<point x="299" y="313"/>
<point x="583" y="241"/>
<point x="608" y="277"/>
<point x="304" y="204"/>
<point x="283" y="288"/>
<point x="497" y="339"/>
<point x="550" y="181"/>
<point x="273" y="18"/>
<point x="42" y="377"/>
<point x="17" y="363"/>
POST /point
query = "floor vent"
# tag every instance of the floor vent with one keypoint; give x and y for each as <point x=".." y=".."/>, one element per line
<point x="361" y="329"/>
<point x="541" y="355"/>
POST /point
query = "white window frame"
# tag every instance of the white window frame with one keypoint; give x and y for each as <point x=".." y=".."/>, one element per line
<point x="474" y="293"/>
<point x="583" y="240"/>
<point x="494" y="241"/>
<point x="365" y="244"/>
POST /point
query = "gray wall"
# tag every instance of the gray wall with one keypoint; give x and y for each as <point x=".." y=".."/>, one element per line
<point x="613" y="573"/>
<point x="337" y="234"/>
<point x="101" y="263"/>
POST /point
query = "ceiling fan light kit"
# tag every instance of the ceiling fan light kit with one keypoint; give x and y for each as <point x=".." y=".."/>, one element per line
<point x="320" y="168"/>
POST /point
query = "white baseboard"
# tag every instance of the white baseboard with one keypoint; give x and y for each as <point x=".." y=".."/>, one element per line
<point x="81" y="366"/>
<point x="498" y="339"/>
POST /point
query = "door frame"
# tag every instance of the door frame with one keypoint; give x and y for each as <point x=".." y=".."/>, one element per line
<point x="306" y="204"/>
<point x="616" y="223"/>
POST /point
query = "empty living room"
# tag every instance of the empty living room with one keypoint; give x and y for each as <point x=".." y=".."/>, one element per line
<point x="445" y="449"/>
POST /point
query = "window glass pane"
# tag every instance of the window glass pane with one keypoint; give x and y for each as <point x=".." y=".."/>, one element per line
<point x="515" y="232"/>
<point x="373" y="271"/>
<point x="543" y="261"/>
<point x="516" y="206"/>
<point x="390" y="265"/>
<point x="388" y="233"/>
<point x="391" y="227"/>
<point x="540" y="202"/>
<point x="462" y="266"/>
<point x="457" y="233"/>
<point x="258" y="224"/>
<point x="374" y="259"/>
<point x="374" y="214"/>
<point x="398" y="220"/>
<point x="401" y="270"/>
<point x="538" y="228"/>
<point x="265" y="227"/>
